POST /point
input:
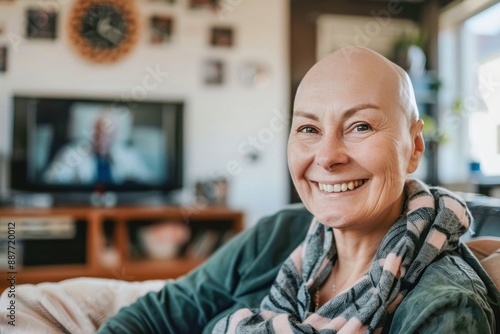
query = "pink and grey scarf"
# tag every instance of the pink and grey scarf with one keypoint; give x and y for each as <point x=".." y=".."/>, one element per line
<point x="433" y="222"/>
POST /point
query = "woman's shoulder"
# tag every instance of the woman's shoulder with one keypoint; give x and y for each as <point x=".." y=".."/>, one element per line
<point x="450" y="293"/>
<point x="447" y="280"/>
<point x="278" y="234"/>
<point x="451" y="267"/>
<point x="291" y="217"/>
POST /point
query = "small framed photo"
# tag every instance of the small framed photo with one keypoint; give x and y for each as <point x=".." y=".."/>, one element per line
<point x="3" y="58"/>
<point x="213" y="4"/>
<point x="254" y="74"/>
<point x="41" y="24"/>
<point x="213" y="72"/>
<point x="161" y="29"/>
<point x="221" y="36"/>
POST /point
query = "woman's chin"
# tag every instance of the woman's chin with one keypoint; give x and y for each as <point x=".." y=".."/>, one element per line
<point x="334" y="219"/>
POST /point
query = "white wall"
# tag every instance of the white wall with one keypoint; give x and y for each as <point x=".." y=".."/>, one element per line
<point x="218" y="120"/>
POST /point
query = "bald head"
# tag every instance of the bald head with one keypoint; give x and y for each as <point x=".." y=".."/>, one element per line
<point x="104" y="132"/>
<point x="362" y="71"/>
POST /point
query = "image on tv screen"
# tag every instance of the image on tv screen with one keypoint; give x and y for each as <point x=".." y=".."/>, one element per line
<point x="91" y="143"/>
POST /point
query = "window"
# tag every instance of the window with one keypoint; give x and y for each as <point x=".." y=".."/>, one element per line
<point x="469" y="108"/>
<point x="481" y="62"/>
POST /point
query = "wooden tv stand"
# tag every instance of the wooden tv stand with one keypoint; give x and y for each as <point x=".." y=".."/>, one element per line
<point x="114" y="230"/>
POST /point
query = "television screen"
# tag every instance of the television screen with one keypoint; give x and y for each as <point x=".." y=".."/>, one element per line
<point x="63" y="144"/>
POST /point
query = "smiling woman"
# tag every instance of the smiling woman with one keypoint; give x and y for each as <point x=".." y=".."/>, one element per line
<point x="372" y="251"/>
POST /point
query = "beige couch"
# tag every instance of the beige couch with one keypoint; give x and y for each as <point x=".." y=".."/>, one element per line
<point x="487" y="250"/>
<point x="81" y="305"/>
<point x="76" y="306"/>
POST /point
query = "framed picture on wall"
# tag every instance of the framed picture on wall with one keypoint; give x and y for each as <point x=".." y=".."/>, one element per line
<point x="213" y="4"/>
<point x="213" y="72"/>
<point x="221" y="36"/>
<point x="160" y="29"/>
<point x="41" y="24"/>
<point x="3" y="58"/>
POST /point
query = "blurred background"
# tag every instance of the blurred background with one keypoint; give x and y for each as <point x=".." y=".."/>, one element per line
<point x="230" y="68"/>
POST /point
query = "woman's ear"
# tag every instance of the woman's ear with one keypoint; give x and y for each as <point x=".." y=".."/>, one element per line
<point x="418" y="145"/>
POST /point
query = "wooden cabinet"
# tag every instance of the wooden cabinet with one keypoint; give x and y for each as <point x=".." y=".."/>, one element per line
<point x="104" y="242"/>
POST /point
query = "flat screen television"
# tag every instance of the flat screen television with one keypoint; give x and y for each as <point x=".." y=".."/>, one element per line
<point x="79" y="145"/>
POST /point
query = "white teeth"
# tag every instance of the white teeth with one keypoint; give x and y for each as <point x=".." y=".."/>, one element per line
<point x="340" y="187"/>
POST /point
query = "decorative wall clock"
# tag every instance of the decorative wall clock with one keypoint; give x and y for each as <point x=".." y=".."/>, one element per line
<point x="104" y="31"/>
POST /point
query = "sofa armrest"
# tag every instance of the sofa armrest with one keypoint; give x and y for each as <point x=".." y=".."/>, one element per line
<point x="483" y="247"/>
<point x="79" y="305"/>
<point x="492" y="266"/>
<point x="487" y="250"/>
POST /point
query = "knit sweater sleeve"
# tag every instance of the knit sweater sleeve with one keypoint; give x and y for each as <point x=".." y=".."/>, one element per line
<point x="246" y="266"/>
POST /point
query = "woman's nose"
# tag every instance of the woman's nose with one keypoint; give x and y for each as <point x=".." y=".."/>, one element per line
<point x="331" y="152"/>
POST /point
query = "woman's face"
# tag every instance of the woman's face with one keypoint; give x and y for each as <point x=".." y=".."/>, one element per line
<point x="351" y="147"/>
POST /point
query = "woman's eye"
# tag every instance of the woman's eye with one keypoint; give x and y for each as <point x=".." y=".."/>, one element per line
<point x="363" y="127"/>
<point x="307" y="129"/>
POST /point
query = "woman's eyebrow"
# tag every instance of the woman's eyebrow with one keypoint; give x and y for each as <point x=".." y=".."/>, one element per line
<point x="306" y="115"/>
<point x="349" y="112"/>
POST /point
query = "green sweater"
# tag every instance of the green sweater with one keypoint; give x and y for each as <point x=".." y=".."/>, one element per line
<point x="451" y="296"/>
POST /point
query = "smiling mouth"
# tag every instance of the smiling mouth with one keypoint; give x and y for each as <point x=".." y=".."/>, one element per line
<point x="341" y="187"/>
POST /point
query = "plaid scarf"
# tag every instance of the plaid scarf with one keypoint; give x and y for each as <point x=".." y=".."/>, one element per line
<point x="433" y="222"/>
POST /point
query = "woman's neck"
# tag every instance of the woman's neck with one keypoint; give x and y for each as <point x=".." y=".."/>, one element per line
<point x="356" y="248"/>
<point x="355" y="257"/>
